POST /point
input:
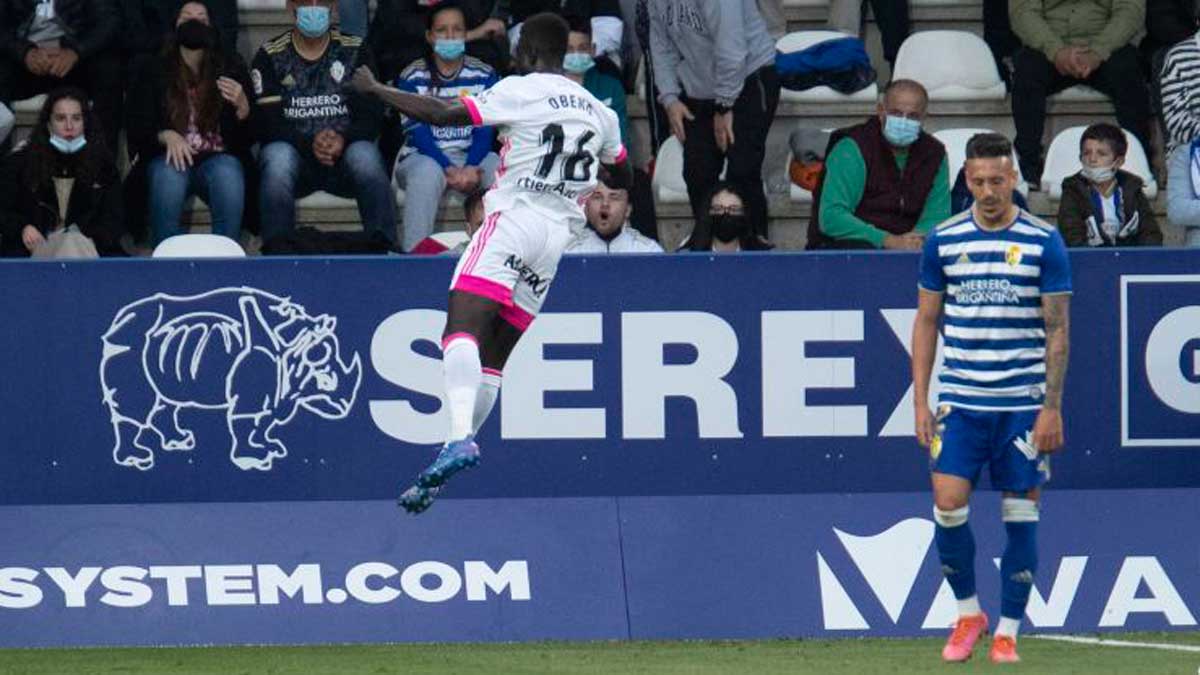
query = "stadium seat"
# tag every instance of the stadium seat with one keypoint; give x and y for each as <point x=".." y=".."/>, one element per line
<point x="955" y="141"/>
<point x="260" y="5"/>
<point x="794" y="42"/>
<point x="668" y="184"/>
<point x="953" y="65"/>
<point x="198" y="246"/>
<point x="1080" y="93"/>
<point x="805" y="3"/>
<point x="324" y="200"/>
<point x="30" y="105"/>
<point x="798" y="194"/>
<point x="1062" y="160"/>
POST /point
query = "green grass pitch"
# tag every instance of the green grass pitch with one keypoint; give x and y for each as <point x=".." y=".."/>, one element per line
<point x="701" y="657"/>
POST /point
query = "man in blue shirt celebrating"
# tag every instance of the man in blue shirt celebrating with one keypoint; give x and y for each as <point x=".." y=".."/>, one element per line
<point x="436" y="158"/>
<point x="1001" y="280"/>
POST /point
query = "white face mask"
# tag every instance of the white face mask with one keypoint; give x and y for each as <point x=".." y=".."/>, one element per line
<point x="1099" y="174"/>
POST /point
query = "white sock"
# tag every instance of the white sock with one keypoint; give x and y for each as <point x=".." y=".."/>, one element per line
<point x="489" y="389"/>
<point x="969" y="606"/>
<point x="1008" y="627"/>
<point x="461" y="368"/>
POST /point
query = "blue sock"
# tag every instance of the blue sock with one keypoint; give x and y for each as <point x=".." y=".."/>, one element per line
<point x="956" y="549"/>
<point x="1017" y="567"/>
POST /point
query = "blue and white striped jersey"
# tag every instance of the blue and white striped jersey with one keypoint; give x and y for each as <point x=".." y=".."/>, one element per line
<point x="993" y="281"/>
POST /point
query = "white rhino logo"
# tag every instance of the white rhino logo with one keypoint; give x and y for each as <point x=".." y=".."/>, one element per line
<point x="260" y="357"/>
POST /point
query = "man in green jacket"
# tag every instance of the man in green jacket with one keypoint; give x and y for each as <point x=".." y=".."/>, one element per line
<point x="1068" y="42"/>
<point x="886" y="180"/>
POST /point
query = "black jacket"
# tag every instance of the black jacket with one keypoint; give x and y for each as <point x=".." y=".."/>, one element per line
<point x="91" y="25"/>
<point x="95" y="208"/>
<point x="1079" y="222"/>
<point x="146" y="111"/>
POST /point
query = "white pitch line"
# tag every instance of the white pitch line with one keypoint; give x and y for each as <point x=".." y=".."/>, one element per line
<point x="1118" y="643"/>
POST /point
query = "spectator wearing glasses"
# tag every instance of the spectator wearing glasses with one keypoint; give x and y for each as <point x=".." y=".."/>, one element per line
<point x="885" y="181"/>
<point x="726" y="225"/>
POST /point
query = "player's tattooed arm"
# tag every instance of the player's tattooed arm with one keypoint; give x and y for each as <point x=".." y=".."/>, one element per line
<point x="427" y="109"/>
<point x="924" y="351"/>
<point x="1056" y="315"/>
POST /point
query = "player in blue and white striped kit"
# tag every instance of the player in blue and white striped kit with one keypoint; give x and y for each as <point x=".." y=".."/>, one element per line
<point x="999" y="282"/>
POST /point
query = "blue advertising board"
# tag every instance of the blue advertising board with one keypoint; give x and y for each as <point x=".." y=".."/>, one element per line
<point x="685" y="446"/>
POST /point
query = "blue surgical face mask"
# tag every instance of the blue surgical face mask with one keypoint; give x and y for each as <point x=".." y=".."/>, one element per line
<point x="578" y="62"/>
<point x="450" y="50"/>
<point x="901" y="131"/>
<point x="313" y="21"/>
<point x="68" y="147"/>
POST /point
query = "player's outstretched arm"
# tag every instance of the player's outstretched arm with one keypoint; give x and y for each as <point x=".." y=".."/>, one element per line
<point x="1048" y="429"/>
<point x="924" y="349"/>
<point x="427" y="109"/>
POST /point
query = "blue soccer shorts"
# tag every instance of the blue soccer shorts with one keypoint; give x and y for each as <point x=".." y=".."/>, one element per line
<point x="1003" y="440"/>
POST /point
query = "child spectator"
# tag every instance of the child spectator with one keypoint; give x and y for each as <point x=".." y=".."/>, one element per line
<point x="1101" y="204"/>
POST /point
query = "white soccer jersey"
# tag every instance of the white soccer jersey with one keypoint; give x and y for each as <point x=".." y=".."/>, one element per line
<point x="555" y="135"/>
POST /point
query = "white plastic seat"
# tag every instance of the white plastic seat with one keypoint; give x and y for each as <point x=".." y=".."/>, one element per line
<point x="198" y="246"/>
<point x="667" y="183"/>
<point x="805" y="3"/>
<point x="953" y="65"/>
<point x="794" y="42"/>
<point x="30" y="105"/>
<point x="1062" y="160"/>
<point x="324" y="200"/>
<point x="1080" y="93"/>
<point x="955" y="141"/>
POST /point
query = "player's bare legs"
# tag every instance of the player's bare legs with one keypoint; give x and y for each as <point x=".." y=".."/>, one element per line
<point x="956" y="549"/>
<point x="1019" y="511"/>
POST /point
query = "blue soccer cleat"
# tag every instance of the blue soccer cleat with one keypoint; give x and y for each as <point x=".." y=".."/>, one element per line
<point x="454" y="457"/>
<point x="416" y="499"/>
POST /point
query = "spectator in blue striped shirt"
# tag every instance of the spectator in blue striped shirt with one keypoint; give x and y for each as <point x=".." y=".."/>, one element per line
<point x="436" y="158"/>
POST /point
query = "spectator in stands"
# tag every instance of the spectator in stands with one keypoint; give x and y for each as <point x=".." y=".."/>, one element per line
<point x="580" y="65"/>
<point x="1180" y="88"/>
<point x="7" y="122"/>
<point x="1183" y="192"/>
<point x="62" y="186"/>
<point x="605" y="16"/>
<point x="999" y="36"/>
<point x="608" y="229"/>
<point x="316" y="133"/>
<point x="726" y="226"/>
<point x="436" y="158"/>
<point x="886" y="181"/>
<point x="454" y="243"/>
<point x="890" y="15"/>
<point x="145" y="24"/>
<point x="1101" y="204"/>
<point x="189" y="120"/>
<point x="1168" y="22"/>
<point x="1071" y="42"/>
<point x="46" y="45"/>
<point x="715" y="72"/>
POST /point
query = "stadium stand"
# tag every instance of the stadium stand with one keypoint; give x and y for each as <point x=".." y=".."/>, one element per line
<point x="952" y="65"/>
<point x="198" y="246"/>
<point x="261" y="19"/>
<point x="1062" y="160"/>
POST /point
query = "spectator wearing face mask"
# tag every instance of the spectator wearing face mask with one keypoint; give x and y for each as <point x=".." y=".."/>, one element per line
<point x="60" y="193"/>
<point x="188" y="121"/>
<point x="886" y="181"/>
<point x="1103" y="205"/>
<point x="580" y="65"/>
<point x="435" y="159"/>
<point x="725" y="227"/>
<point x="608" y="229"/>
<point x="316" y="132"/>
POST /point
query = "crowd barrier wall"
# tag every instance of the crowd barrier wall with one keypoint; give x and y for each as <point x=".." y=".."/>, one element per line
<point x="689" y="446"/>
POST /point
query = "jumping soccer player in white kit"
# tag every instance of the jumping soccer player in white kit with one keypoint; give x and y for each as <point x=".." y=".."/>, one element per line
<point x="555" y="136"/>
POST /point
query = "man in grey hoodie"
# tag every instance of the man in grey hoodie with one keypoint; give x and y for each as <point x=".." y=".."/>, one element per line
<point x="714" y="66"/>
